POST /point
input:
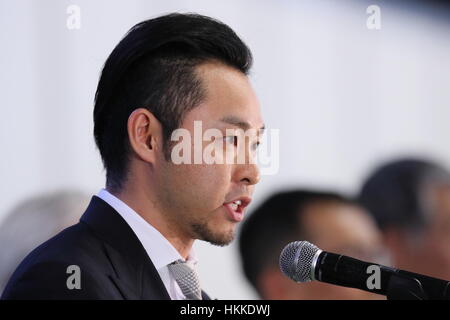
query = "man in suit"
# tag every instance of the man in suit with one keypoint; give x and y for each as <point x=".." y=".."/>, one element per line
<point x="166" y="77"/>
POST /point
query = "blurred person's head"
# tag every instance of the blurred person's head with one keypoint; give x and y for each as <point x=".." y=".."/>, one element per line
<point x="328" y="220"/>
<point x="410" y="201"/>
<point x="32" y="222"/>
<point x="170" y="73"/>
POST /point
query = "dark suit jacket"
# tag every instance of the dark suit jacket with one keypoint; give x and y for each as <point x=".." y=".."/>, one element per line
<point x="113" y="263"/>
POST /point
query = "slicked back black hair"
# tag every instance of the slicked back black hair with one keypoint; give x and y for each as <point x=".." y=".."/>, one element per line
<point x="153" y="67"/>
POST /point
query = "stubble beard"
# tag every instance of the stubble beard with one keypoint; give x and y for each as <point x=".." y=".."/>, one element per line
<point x="204" y="232"/>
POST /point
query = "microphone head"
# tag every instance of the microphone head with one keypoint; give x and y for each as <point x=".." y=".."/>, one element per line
<point x="297" y="260"/>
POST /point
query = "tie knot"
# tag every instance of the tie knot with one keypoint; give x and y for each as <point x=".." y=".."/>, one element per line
<point x="187" y="279"/>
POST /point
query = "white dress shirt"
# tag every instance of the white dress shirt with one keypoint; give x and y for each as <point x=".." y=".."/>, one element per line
<point x="158" y="248"/>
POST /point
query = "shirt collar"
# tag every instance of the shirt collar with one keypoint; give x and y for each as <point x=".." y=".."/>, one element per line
<point x="158" y="248"/>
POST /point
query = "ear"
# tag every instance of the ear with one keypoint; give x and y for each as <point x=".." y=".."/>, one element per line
<point x="399" y="250"/>
<point x="392" y="238"/>
<point x="144" y="134"/>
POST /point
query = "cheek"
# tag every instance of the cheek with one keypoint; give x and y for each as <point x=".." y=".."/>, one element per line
<point x="203" y="186"/>
<point x="212" y="182"/>
<point x="218" y="175"/>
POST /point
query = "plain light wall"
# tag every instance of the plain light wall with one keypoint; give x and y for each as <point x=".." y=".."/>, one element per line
<point x="344" y="97"/>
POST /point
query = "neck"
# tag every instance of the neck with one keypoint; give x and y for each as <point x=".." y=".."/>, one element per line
<point x="140" y="199"/>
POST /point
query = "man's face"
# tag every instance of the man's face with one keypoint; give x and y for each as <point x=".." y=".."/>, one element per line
<point x="432" y="255"/>
<point x="196" y="197"/>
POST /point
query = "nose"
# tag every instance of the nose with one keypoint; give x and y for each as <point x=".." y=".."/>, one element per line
<point x="246" y="168"/>
<point x="248" y="173"/>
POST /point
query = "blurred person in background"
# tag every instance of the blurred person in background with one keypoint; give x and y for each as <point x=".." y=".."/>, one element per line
<point x="328" y="220"/>
<point x="410" y="201"/>
<point x="34" y="221"/>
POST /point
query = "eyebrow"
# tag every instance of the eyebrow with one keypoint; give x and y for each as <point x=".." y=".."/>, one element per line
<point x="235" y="121"/>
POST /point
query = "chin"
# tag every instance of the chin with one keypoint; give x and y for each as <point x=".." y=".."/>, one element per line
<point x="218" y="238"/>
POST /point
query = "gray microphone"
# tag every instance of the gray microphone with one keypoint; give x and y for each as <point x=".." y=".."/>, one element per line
<point x="302" y="262"/>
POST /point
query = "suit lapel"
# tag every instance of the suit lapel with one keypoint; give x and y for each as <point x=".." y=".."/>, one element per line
<point x="135" y="275"/>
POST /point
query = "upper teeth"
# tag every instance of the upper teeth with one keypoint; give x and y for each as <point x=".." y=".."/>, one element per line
<point x="236" y="204"/>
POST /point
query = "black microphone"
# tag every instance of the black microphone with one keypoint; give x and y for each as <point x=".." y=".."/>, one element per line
<point x="302" y="262"/>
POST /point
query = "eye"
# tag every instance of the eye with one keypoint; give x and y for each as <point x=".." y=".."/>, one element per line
<point x="256" y="145"/>
<point x="232" y="140"/>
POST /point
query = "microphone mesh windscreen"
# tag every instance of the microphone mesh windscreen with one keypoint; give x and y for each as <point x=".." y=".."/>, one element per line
<point x="296" y="260"/>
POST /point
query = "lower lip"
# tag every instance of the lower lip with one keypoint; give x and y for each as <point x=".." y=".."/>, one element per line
<point x="236" y="216"/>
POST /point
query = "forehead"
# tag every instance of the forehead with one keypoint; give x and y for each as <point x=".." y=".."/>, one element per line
<point x="228" y="94"/>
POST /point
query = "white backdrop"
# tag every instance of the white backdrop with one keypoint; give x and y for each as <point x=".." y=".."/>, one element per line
<point x="344" y="97"/>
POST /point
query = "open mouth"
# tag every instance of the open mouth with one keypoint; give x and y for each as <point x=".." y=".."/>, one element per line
<point x="236" y="208"/>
